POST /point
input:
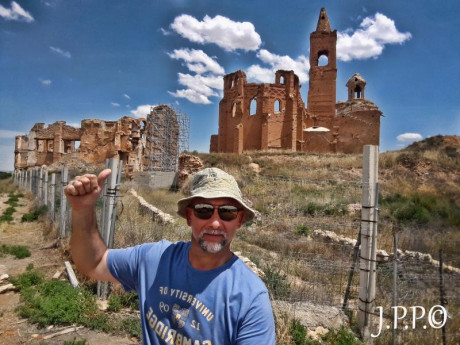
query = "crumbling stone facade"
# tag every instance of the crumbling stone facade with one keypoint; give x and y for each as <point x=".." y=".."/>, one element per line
<point x="139" y="142"/>
<point x="254" y="116"/>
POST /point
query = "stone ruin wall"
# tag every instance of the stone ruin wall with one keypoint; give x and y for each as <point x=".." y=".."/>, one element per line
<point x="324" y="126"/>
<point x="272" y="125"/>
<point x="129" y="139"/>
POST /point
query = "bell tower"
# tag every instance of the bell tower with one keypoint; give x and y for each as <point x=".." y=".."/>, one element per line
<point x="323" y="72"/>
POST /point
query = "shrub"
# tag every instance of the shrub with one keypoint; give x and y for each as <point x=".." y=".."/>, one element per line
<point x="303" y="230"/>
<point x="276" y="283"/>
<point x="114" y="303"/>
<point x="37" y="212"/>
<point x="27" y="279"/>
<point x="75" y="342"/>
<point x="342" y="336"/>
<point x="20" y="252"/>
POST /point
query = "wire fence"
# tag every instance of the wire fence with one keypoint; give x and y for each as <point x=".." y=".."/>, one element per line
<point x="323" y="270"/>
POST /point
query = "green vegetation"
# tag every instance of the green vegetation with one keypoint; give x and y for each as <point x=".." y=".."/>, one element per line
<point x="303" y="230"/>
<point x="124" y="300"/>
<point x="36" y="212"/>
<point x="341" y="336"/>
<point x="276" y="283"/>
<point x="5" y="175"/>
<point x="422" y="208"/>
<point x="12" y="201"/>
<point x="52" y="302"/>
<point x="19" y="252"/>
<point x="75" y="342"/>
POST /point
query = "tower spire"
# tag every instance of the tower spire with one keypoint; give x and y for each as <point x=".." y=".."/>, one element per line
<point x="323" y="22"/>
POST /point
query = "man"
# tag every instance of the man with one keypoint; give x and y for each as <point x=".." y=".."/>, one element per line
<point x="194" y="293"/>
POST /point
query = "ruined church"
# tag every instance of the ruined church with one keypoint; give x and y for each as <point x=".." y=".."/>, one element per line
<point x="254" y="116"/>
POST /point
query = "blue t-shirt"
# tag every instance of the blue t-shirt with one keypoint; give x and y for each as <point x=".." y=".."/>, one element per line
<point x="181" y="305"/>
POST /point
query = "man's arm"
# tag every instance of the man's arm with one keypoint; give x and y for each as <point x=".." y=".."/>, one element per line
<point x="89" y="251"/>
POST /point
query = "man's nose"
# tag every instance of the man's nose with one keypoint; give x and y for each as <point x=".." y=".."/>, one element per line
<point x="215" y="220"/>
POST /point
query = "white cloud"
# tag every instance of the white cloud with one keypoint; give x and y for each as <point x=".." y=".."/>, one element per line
<point x="6" y="134"/>
<point x="409" y="137"/>
<point x="61" y="52"/>
<point x="199" y="87"/>
<point x="45" y="82"/>
<point x="261" y="74"/>
<point x="197" y="61"/>
<point x="126" y="96"/>
<point x="300" y="66"/>
<point x="369" y="40"/>
<point x="142" y="110"/>
<point x="224" y="32"/>
<point x="115" y="104"/>
<point x="205" y="84"/>
<point x="16" y="12"/>
<point x="191" y="95"/>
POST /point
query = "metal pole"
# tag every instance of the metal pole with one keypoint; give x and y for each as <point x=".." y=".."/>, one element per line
<point x="62" y="211"/>
<point x="104" y="202"/>
<point x="40" y="186"/>
<point x="352" y="270"/>
<point x="45" y="189"/>
<point x="114" y="212"/>
<point x="52" y="197"/>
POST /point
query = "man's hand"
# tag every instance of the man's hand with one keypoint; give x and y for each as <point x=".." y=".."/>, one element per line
<point x="83" y="191"/>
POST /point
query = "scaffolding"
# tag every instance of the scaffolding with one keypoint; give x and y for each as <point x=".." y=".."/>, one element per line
<point x="167" y="137"/>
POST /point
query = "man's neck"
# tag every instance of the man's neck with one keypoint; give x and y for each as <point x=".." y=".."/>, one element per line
<point x="202" y="260"/>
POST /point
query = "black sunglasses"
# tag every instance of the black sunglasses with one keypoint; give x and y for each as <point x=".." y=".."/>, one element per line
<point x="205" y="211"/>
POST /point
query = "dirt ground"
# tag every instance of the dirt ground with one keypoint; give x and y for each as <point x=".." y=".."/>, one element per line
<point x="14" y="330"/>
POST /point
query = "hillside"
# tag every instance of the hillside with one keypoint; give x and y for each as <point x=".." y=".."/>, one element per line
<point x="303" y="237"/>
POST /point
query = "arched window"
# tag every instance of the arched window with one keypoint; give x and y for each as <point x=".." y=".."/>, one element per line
<point x="358" y="91"/>
<point x="234" y="109"/>
<point x="277" y="106"/>
<point x="253" y="106"/>
<point x="323" y="60"/>
<point x="282" y="80"/>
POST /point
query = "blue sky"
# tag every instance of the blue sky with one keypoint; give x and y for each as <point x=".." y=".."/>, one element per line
<point x="74" y="60"/>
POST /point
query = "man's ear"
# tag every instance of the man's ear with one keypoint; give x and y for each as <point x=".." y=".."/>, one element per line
<point x="188" y="216"/>
<point x="240" y="219"/>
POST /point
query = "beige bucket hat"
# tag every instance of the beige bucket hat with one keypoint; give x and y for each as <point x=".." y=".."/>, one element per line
<point x="213" y="183"/>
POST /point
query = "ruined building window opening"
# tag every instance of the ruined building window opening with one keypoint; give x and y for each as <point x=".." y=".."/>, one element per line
<point x="234" y="109"/>
<point x="282" y="80"/>
<point x="69" y="146"/>
<point x="323" y="59"/>
<point x="77" y="144"/>
<point x="277" y="106"/>
<point x="358" y="93"/>
<point x="253" y="106"/>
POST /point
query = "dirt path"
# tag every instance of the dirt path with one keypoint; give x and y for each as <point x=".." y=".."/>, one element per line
<point x="14" y="330"/>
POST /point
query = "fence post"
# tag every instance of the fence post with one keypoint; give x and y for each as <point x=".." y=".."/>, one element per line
<point x="45" y="188"/>
<point x="109" y="217"/>
<point x="368" y="242"/>
<point x="63" y="208"/>
<point x="104" y="201"/>
<point x="40" y="186"/>
<point x="52" y="197"/>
